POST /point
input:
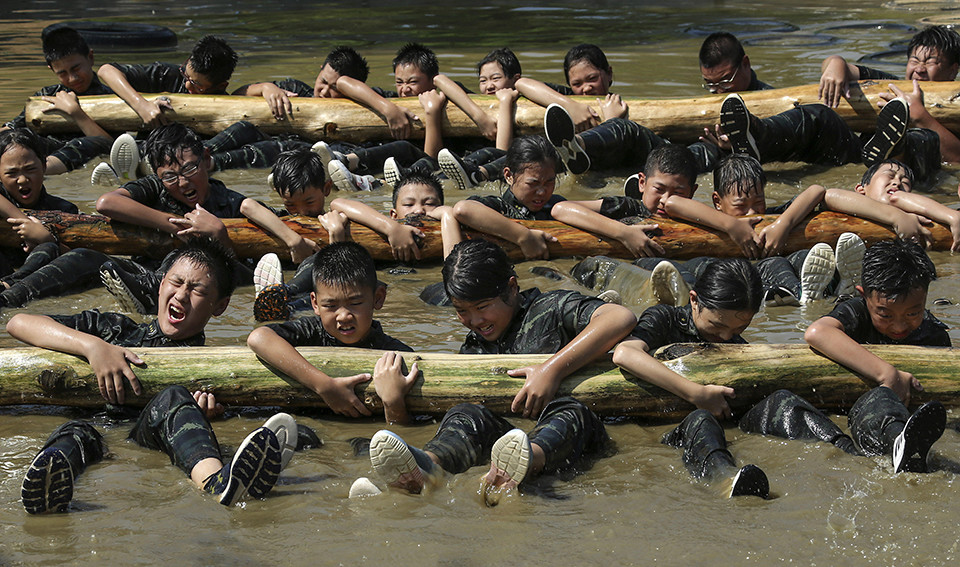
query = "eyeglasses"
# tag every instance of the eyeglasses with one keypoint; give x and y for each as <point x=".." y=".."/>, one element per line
<point x="724" y="84"/>
<point x="172" y="177"/>
<point x="190" y="81"/>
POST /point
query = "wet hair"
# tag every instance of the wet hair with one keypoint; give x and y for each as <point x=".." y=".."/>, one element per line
<point x="211" y="254"/>
<point x="505" y="58"/>
<point x="585" y="52"/>
<point x="347" y="62"/>
<point x="414" y="178"/>
<point x="945" y="40"/>
<point x="730" y="283"/>
<point x="894" y="268"/>
<point x="296" y="170"/>
<point x="344" y="264"/>
<point x="739" y="174"/>
<point x="672" y="159"/>
<point x="214" y="59"/>
<point x="419" y="56"/>
<point x="527" y="150"/>
<point x="721" y="47"/>
<point x="63" y="42"/>
<point x="24" y="138"/>
<point x="873" y="169"/>
<point x="477" y="269"/>
<point x="164" y="143"/>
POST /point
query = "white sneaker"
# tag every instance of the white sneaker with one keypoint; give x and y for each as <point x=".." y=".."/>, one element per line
<point x="391" y="171"/>
<point x="104" y="175"/>
<point x="816" y="273"/>
<point x="849" y="257"/>
<point x="394" y="461"/>
<point x="285" y="428"/>
<point x="347" y="181"/>
<point x="326" y="154"/>
<point x="669" y="287"/>
<point x="124" y="156"/>
<point x="268" y="272"/>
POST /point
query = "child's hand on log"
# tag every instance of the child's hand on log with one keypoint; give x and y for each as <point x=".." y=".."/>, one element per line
<point x="111" y="365"/>
<point x="635" y="240"/>
<point x="537" y="391"/>
<point x="613" y="107"/>
<point x="31" y="232"/>
<point x="208" y="404"/>
<point x="400" y="121"/>
<point x="341" y="397"/>
<point x="713" y="398"/>
<point x="278" y="100"/>
<point x="910" y="227"/>
<point x="337" y="226"/>
<point x="741" y="232"/>
<point x="583" y="116"/>
<point x="403" y="242"/>
<point x="151" y="111"/>
<point x="773" y="238"/>
<point x="533" y="244"/>
<point x="900" y="382"/>
<point x="203" y="222"/>
<point x="303" y="250"/>
<point x="392" y="385"/>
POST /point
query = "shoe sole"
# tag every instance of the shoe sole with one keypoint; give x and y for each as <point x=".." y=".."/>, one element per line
<point x="665" y="282"/>
<point x="268" y="272"/>
<point x="254" y="469"/>
<point x="451" y="167"/>
<point x="849" y="257"/>
<point x="892" y="124"/>
<point x="285" y="428"/>
<point x="561" y="132"/>
<point x="323" y="150"/>
<point x="341" y="177"/>
<point x="511" y="454"/>
<point x="391" y="171"/>
<point x="122" y="294"/>
<point x="816" y="273"/>
<point x="272" y="304"/>
<point x="104" y="175"/>
<point x="631" y="186"/>
<point x="394" y="462"/>
<point x="921" y="431"/>
<point x="48" y="483"/>
<point x="750" y="481"/>
<point x="124" y="156"/>
<point x="735" y="123"/>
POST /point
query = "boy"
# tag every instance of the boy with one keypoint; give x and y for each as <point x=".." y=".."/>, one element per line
<point x="725" y="66"/>
<point x="346" y="293"/>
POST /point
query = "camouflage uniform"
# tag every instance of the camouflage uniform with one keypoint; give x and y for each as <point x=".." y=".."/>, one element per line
<point x="510" y="207"/>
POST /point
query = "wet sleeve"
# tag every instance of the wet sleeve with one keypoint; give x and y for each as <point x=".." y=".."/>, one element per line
<point x="302" y="89"/>
<point x="108" y="326"/>
<point x="934" y="332"/>
<point x="854" y="318"/>
<point x="146" y="191"/>
<point x="869" y="73"/>
<point x="306" y="331"/>
<point x="619" y="207"/>
<point x="576" y="311"/>
<point x="562" y="89"/>
<point x="653" y="327"/>
<point x="492" y="201"/>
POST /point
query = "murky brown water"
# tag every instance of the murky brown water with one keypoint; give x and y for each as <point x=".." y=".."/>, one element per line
<point x="638" y="507"/>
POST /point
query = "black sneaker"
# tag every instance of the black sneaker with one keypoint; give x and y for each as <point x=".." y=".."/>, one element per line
<point x="253" y="471"/>
<point x="466" y="174"/>
<point x="750" y="481"/>
<point x="891" y="128"/>
<point x="561" y="131"/>
<point x="48" y="484"/>
<point x="134" y="292"/>
<point x="921" y="431"/>
<point x="735" y="123"/>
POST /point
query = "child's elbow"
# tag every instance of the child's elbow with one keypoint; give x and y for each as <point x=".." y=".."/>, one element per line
<point x="256" y="339"/>
<point x="461" y="210"/>
<point x="104" y="204"/>
<point x="621" y="354"/>
<point x="813" y="335"/>
<point x="15" y="324"/>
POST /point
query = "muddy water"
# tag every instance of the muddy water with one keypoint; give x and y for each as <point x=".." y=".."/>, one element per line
<point x="637" y="507"/>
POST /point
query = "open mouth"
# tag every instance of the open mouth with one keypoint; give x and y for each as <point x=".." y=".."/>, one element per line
<point x="347" y="331"/>
<point x="190" y="195"/>
<point x="175" y="314"/>
<point x="486" y="330"/>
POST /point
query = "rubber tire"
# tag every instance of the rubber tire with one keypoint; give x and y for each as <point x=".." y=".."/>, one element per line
<point x="121" y="34"/>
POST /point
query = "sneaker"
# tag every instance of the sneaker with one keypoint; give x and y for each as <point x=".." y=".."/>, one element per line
<point x="631" y="186"/>
<point x="327" y="155"/>
<point x="254" y="469"/>
<point x="817" y="272"/>
<point x="48" y="484"/>
<point x="104" y="175"/>
<point x="669" y="287"/>
<point x="781" y="296"/>
<point x="363" y="487"/>
<point x="465" y="174"/>
<point x="750" y="481"/>
<point x="892" y="124"/>
<point x="921" y="431"/>
<point x="267" y="272"/>
<point x="397" y="463"/>
<point x="392" y="172"/>
<point x="124" y="156"/>
<point x="285" y="428"/>
<point x="610" y="296"/>
<point x="347" y="181"/>
<point x="735" y="122"/>
<point x="134" y="292"/>
<point x="272" y="304"/>
<point x="849" y="257"/>
<point x="561" y="131"/>
<point x="307" y="438"/>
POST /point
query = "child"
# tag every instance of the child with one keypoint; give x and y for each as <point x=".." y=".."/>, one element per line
<point x="503" y="320"/>
<point x="725" y="66"/>
<point x="346" y="293"/>
<point x="723" y="302"/>
<point x="530" y="173"/>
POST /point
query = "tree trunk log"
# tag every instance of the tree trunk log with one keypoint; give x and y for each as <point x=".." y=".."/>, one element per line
<point x="681" y="120"/>
<point x="36" y="376"/>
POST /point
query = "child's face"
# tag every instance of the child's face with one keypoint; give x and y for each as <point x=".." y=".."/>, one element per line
<point x="889" y="179"/>
<point x="347" y="312"/>
<point x="899" y="317"/>
<point x="411" y="81"/>
<point x="74" y="71"/>
<point x="491" y="317"/>
<point x="718" y="325"/>
<point x="186" y="180"/>
<point x="728" y="76"/>
<point x="585" y="79"/>
<point x="534" y="185"/>
<point x="198" y="83"/>
<point x="928" y="64"/>
<point x="738" y="204"/>
<point x="308" y="202"/>
<point x="21" y="173"/>
<point x="326" y="84"/>
<point x="415" y="199"/>
<point x="492" y="78"/>
<point x="661" y="186"/>
<point x="188" y="299"/>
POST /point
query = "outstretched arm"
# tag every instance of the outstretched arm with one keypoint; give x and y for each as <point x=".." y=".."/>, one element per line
<point x="585" y="216"/>
<point x="927" y="207"/>
<point x="277" y="99"/>
<point x="739" y="229"/>
<point x="151" y="112"/>
<point x="459" y="97"/>
<point x="532" y="242"/>
<point x="118" y="205"/>
<point x="399" y="120"/>
<point x="449" y="227"/>
<point x="906" y="225"/>
<point x="774" y="236"/>
<point x="402" y="238"/>
<point x="506" y="112"/>
<point x="300" y="248"/>
<point x="835" y="78"/>
<point x="583" y="116"/>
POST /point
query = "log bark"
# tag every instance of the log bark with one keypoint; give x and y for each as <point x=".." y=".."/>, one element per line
<point x="36" y="376"/>
<point x="681" y="120"/>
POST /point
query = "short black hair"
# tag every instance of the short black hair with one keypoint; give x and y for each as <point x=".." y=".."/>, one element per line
<point x="420" y="56"/>
<point x="505" y="58"/>
<point x="414" y="178"/>
<point x="24" y="138"/>
<point x="731" y="284"/>
<point x="348" y="63"/>
<point x="211" y="254"/>
<point x="527" y="150"/>
<point x="739" y="174"/>
<point x="585" y="52"/>
<point x="61" y="42"/>
<point x="476" y="269"/>
<point x="721" y="47"/>
<point x="943" y="39"/>
<point x="214" y="59"/>
<point x="164" y="143"/>
<point x="344" y="264"/>
<point x="894" y="268"/>
<point x="873" y="169"/>
<point x="672" y="159"/>
<point x="296" y="170"/>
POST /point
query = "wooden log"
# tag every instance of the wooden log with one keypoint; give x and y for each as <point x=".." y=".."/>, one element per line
<point x="681" y="120"/>
<point x="36" y="376"/>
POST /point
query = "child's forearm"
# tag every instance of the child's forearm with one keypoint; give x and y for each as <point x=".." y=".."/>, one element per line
<point x="89" y="126"/>
<point x="449" y="228"/>
<point x="608" y="325"/>
<point x="802" y="206"/>
<point x="118" y="205"/>
<point x="265" y="219"/>
<point x="280" y="354"/>
<point x="925" y="206"/>
<point x="459" y="97"/>
<point x="485" y="219"/>
<point x="581" y="214"/>
<point x="826" y="335"/>
<point x="433" y="133"/>
<point x="505" y="117"/>
<point x="700" y="213"/>
<point x="43" y="332"/>
<point x="632" y="356"/>
<point x="364" y="214"/>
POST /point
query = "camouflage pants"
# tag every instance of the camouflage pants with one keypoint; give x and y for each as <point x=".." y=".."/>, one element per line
<point x="80" y="442"/>
<point x="405" y="153"/>
<point x="704" y="445"/>
<point x="243" y="145"/>
<point x="76" y="152"/>
<point x="619" y="142"/>
<point x="876" y="419"/>
<point x="787" y="415"/>
<point x="172" y="422"/>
